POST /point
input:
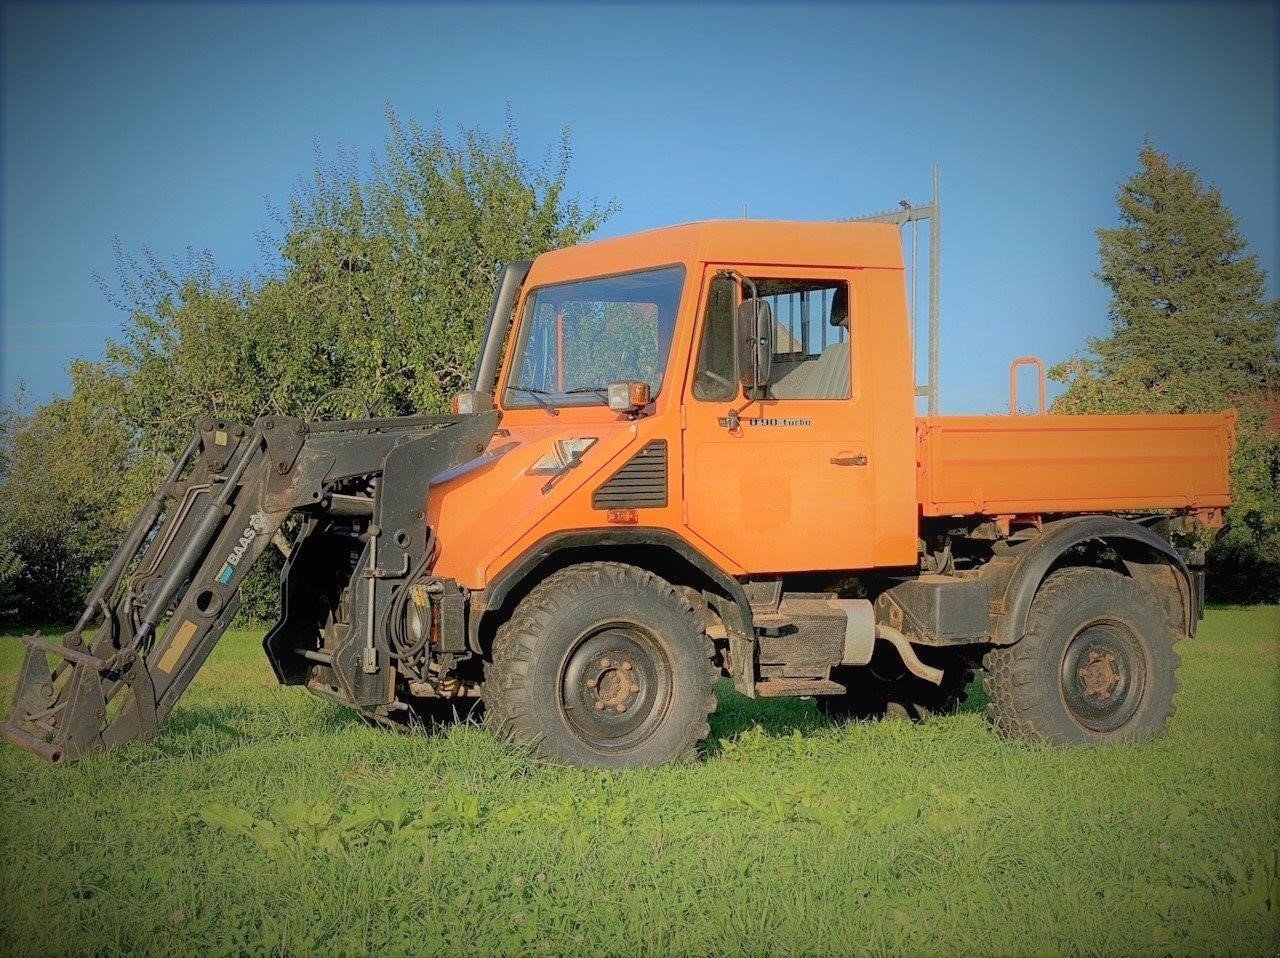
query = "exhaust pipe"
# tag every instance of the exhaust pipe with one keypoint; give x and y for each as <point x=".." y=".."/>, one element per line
<point x="909" y="657"/>
<point x="861" y="632"/>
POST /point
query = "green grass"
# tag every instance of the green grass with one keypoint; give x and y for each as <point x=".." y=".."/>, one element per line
<point x="263" y="820"/>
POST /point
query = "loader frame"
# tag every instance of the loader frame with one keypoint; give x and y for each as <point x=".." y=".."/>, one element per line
<point x="173" y="587"/>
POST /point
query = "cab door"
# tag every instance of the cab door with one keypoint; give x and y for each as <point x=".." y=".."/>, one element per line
<point x="785" y="484"/>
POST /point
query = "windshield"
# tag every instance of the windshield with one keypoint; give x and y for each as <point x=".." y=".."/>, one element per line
<point x="578" y="337"/>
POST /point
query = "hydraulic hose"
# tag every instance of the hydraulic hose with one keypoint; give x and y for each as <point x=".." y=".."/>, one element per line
<point x="399" y="645"/>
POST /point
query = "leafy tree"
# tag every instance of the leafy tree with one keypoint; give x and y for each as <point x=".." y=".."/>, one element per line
<point x="1191" y="331"/>
<point x="372" y="299"/>
<point x="69" y="482"/>
<point x="381" y="300"/>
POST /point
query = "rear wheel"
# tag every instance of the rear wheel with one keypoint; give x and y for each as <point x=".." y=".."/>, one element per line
<point x="1096" y="663"/>
<point x="602" y="665"/>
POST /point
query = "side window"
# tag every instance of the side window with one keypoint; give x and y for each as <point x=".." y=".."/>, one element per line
<point x="811" y="352"/>
<point x="716" y="377"/>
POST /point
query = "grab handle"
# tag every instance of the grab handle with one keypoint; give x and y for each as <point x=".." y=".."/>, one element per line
<point x="1013" y="383"/>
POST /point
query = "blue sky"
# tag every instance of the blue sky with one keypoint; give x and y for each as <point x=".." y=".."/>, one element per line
<point x="175" y="126"/>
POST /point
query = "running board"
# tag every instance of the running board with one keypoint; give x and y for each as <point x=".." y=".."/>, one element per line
<point x="782" y="688"/>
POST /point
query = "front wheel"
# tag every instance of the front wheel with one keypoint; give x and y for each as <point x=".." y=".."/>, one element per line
<point x="602" y="665"/>
<point x="1096" y="663"/>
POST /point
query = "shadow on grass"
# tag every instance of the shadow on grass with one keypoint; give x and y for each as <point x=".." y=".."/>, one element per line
<point x="736" y="713"/>
<point x="305" y="714"/>
<point x="235" y="721"/>
<point x="243" y="719"/>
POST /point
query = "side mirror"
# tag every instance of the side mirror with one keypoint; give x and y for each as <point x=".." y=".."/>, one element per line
<point x="755" y="345"/>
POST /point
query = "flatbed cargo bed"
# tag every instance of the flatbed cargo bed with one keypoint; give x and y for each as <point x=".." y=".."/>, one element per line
<point x="1018" y="465"/>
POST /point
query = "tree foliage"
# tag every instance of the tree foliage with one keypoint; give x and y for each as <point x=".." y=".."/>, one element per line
<point x="1192" y="330"/>
<point x="372" y="299"/>
<point x="382" y="296"/>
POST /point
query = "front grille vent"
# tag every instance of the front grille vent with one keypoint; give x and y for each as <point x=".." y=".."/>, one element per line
<point x="641" y="483"/>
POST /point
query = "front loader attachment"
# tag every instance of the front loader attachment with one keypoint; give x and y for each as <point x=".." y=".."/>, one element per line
<point x="173" y="587"/>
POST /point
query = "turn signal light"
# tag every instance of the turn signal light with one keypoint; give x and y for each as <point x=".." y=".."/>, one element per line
<point x="628" y="396"/>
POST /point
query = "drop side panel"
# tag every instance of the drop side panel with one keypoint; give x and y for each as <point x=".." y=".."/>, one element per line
<point x="1002" y="465"/>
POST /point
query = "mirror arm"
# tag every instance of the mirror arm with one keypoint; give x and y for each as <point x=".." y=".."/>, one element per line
<point x="744" y="280"/>
<point x="733" y="418"/>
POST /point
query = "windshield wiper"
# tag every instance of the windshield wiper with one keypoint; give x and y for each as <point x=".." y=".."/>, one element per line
<point x="539" y="396"/>
<point x="600" y="391"/>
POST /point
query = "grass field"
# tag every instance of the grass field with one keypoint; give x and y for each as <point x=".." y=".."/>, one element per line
<point x="266" y="821"/>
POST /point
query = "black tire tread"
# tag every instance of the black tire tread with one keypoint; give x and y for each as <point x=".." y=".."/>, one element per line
<point x="506" y="690"/>
<point x="1014" y="707"/>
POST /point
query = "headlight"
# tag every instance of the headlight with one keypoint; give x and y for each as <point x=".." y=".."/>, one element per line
<point x="628" y="396"/>
<point x="564" y="453"/>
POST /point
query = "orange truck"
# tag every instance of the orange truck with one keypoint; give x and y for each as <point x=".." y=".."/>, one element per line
<point x="688" y="453"/>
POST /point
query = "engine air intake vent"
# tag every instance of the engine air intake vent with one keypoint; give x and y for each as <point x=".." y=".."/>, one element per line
<point x="641" y="483"/>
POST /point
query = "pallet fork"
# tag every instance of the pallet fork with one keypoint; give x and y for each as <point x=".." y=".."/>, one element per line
<point x="173" y="587"/>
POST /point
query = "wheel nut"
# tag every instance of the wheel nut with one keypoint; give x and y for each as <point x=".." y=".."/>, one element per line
<point x="635" y="688"/>
<point x="604" y="663"/>
<point x="599" y="706"/>
<point x="621" y="708"/>
<point x="626" y="666"/>
<point x="591" y="683"/>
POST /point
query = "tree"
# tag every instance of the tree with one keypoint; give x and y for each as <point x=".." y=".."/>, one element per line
<point x="372" y="300"/>
<point x="1191" y="331"/>
<point x="380" y="300"/>
<point x="70" y="479"/>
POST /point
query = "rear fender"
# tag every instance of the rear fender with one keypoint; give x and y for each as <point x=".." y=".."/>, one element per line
<point x="1145" y="555"/>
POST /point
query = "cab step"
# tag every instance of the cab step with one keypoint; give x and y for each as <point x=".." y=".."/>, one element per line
<point x="782" y="688"/>
<point x="771" y="622"/>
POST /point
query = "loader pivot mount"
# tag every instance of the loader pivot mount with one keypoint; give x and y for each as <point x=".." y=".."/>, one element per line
<point x="173" y="587"/>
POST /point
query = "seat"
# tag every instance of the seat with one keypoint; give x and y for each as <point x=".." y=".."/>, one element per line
<point x="830" y="374"/>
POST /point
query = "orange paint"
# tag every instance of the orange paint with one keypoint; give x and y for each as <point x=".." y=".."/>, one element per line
<point x="971" y="465"/>
<point x="811" y="485"/>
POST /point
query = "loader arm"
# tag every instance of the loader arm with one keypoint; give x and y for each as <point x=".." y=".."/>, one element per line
<point x="173" y="587"/>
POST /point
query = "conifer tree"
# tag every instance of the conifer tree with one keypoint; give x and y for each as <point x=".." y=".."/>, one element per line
<point x="1192" y="330"/>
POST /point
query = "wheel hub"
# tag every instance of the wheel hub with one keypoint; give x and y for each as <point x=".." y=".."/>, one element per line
<point x="1099" y="676"/>
<point x="616" y="687"/>
<point x="1103" y="676"/>
<point x="613" y="681"/>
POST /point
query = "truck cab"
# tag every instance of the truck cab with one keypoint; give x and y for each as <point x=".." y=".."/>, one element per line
<point x="758" y="480"/>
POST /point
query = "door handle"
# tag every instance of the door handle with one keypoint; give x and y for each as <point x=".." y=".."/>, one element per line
<point x="847" y="460"/>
